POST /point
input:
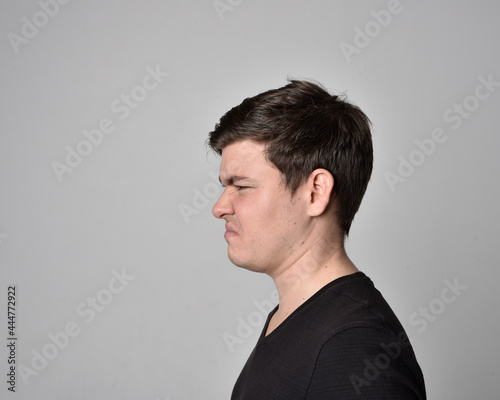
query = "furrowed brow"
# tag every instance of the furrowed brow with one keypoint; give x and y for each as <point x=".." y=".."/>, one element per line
<point x="231" y="180"/>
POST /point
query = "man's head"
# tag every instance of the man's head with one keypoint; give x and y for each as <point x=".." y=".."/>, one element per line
<point x="302" y="128"/>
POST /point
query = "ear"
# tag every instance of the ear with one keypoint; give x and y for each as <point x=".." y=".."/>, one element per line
<point x="319" y="188"/>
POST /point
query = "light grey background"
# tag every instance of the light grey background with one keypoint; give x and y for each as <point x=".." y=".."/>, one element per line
<point x="164" y="333"/>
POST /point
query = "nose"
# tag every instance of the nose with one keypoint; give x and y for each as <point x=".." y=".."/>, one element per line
<point x="223" y="206"/>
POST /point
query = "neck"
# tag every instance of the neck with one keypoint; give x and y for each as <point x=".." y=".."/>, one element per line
<point x="312" y="271"/>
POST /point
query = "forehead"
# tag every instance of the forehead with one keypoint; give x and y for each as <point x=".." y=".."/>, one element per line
<point x="245" y="158"/>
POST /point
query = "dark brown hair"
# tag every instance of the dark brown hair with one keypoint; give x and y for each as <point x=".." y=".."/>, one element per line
<point x="305" y="128"/>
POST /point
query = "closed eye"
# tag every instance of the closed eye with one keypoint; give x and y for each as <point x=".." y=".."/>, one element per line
<point x="236" y="186"/>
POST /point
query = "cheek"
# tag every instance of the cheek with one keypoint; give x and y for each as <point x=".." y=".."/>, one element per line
<point x="257" y="216"/>
<point x="275" y="217"/>
<point x="265" y="216"/>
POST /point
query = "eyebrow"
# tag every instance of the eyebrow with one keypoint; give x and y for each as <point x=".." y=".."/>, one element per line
<point x="230" y="180"/>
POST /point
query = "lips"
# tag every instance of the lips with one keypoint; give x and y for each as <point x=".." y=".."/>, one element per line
<point x="229" y="228"/>
<point x="229" y="231"/>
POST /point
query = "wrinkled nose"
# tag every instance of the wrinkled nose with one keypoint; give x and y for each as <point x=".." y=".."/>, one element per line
<point x="223" y="206"/>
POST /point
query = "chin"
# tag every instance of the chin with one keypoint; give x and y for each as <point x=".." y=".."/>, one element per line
<point x="237" y="261"/>
<point x="245" y="264"/>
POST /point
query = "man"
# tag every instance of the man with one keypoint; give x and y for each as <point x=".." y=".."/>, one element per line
<point x="295" y="165"/>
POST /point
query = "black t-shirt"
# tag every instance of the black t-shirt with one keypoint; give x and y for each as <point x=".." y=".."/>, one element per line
<point x="344" y="342"/>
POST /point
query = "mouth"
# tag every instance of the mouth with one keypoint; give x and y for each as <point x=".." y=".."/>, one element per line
<point x="229" y="232"/>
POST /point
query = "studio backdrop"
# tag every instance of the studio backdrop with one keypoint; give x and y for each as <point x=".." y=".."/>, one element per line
<point x="115" y="282"/>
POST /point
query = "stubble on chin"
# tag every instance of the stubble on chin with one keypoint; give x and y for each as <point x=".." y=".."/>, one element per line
<point x="246" y="264"/>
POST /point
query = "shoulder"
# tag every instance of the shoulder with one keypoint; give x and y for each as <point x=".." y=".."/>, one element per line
<point x="348" y="302"/>
<point x="369" y="360"/>
<point x="362" y="346"/>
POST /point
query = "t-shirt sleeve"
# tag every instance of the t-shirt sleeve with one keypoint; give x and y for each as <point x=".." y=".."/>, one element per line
<point x="366" y="363"/>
